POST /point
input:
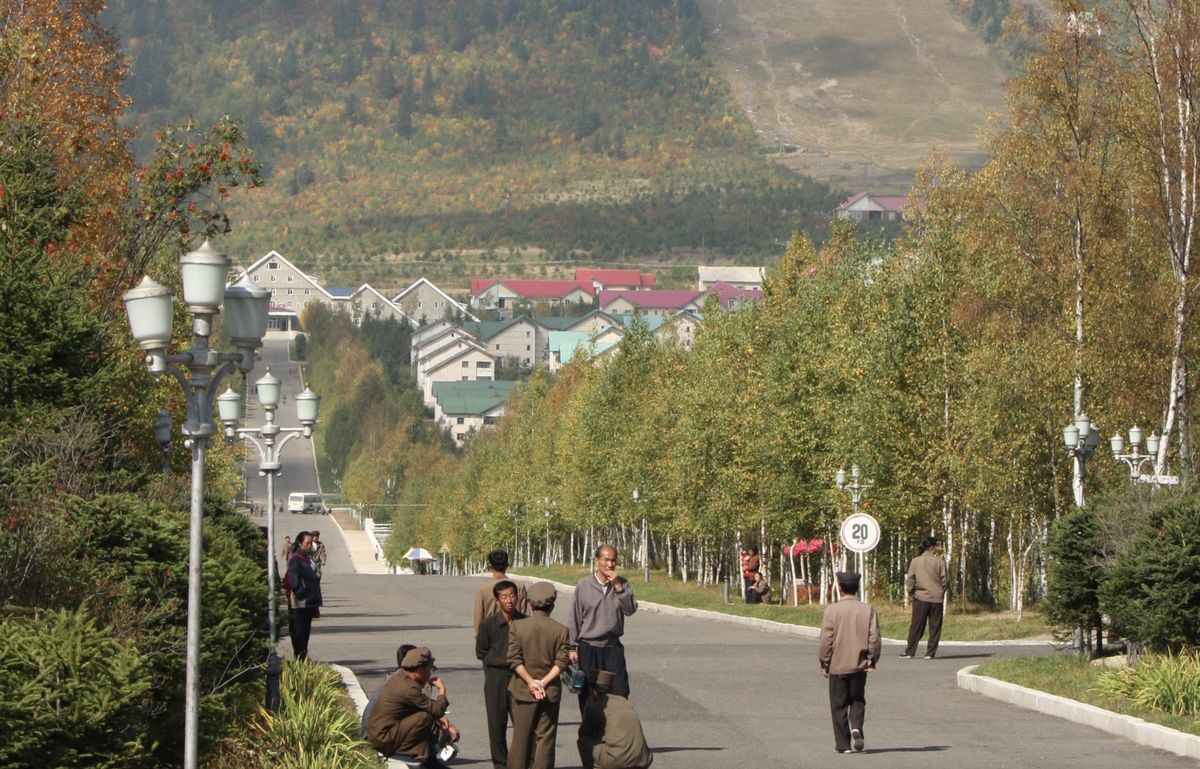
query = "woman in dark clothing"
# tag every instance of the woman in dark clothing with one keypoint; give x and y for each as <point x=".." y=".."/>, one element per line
<point x="304" y="594"/>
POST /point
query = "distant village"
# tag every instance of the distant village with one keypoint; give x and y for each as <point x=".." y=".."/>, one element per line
<point x="457" y="347"/>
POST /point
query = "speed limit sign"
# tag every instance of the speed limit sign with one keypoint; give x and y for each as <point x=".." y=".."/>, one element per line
<point x="860" y="533"/>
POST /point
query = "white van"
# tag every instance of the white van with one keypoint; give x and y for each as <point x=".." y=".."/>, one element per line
<point x="305" y="502"/>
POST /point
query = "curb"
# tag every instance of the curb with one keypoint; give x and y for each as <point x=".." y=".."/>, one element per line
<point x="350" y="681"/>
<point x="773" y="626"/>
<point x="1130" y="728"/>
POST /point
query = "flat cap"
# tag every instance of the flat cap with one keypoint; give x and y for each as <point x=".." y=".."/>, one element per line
<point x="849" y="580"/>
<point x="417" y="658"/>
<point x="541" y="594"/>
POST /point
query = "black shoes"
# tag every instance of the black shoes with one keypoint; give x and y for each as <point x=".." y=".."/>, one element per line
<point x="856" y="740"/>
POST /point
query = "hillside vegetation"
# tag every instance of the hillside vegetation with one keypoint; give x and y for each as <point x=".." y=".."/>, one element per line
<point x="396" y="129"/>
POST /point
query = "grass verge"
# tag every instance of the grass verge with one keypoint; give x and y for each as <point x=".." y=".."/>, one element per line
<point x="970" y="623"/>
<point x="1068" y="675"/>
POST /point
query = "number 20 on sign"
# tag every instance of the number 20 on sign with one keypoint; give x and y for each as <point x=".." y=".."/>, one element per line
<point x="860" y="533"/>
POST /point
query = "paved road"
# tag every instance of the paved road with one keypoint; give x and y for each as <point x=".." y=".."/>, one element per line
<point x="709" y="694"/>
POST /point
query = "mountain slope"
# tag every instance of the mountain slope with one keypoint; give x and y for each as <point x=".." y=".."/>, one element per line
<point x="411" y="126"/>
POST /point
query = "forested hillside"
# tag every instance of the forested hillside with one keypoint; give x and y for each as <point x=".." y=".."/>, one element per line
<point x="410" y="127"/>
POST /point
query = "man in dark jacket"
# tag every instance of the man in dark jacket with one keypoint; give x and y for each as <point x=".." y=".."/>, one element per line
<point x="491" y="647"/>
<point x="849" y="649"/>
<point x="304" y="594"/>
<point x="610" y="735"/>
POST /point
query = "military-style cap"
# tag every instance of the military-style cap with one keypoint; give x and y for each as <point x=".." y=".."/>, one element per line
<point x="417" y="658"/>
<point x="849" y="580"/>
<point x="541" y="594"/>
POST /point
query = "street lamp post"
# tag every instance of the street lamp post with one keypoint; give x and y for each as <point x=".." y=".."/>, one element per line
<point x="1136" y="461"/>
<point x="229" y="407"/>
<point x="637" y="498"/>
<point x="512" y="511"/>
<point x="1081" y="438"/>
<point x="855" y="486"/>
<point x="162" y="434"/>
<point x="198" y="370"/>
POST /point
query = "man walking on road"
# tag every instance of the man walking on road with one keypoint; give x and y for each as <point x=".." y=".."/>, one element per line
<point x="537" y="654"/>
<point x="491" y="646"/>
<point x="849" y="649"/>
<point x="485" y="599"/>
<point x="602" y="602"/>
<point x="927" y="583"/>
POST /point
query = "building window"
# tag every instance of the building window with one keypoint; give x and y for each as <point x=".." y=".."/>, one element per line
<point x="497" y="347"/>
<point x="289" y="304"/>
<point x="466" y="378"/>
<point x="489" y="420"/>
<point x="272" y="266"/>
<point x="459" y="420"/>
<point x="526" y="334"/>
<point x="289" y="292"/>
<point x="483" y="364"/>
<point x="466" y="364"/>
<point x="290" y="278"/>
<point x="526" y="348"/>
<point x="272" y="278"/>
<point x="306" y="291"/>
<point x="255" y="278"/>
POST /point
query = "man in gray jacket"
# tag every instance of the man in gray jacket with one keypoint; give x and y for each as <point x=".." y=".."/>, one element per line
<point x="927" y="583"/>
<point x="601" y="603"/>
<point x="849" y="649"/>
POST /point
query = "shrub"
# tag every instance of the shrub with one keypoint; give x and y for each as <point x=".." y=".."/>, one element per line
<point x="1152" y="589"/>
<point x="1165" y="682"/>
<point x="74" y="694"/>
<point x="1072" y="598"/>
<point x="316" y="728"/>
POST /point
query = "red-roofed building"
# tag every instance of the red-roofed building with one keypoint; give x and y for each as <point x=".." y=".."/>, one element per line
<point x="650" y="302"/>
<point x="601" y="279"/>
<point x="865" y="207"/>
<point x="503" y="293"/>
<point x="730" y="296"/>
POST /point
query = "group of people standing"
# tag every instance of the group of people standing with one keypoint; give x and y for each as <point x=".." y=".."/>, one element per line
<point x="526" y="657"/>
<point x="305" y="558"/>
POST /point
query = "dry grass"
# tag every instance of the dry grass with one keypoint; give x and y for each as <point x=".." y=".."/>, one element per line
<point x="862" y="90"/>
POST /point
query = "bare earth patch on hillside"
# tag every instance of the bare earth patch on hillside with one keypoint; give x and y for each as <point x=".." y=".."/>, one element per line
<point x="861" y="91"/>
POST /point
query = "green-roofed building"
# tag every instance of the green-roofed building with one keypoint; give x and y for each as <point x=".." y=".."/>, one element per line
<point x="466" y="407"/>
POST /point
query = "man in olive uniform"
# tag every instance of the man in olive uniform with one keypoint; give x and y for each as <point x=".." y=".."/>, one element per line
<point x="404" y="721"/>
<point x="849" y="649"/>
<point x="491" y="646"/>
<point x="927" y="581"/>
<point x="610" y="736"/>
<point x="537" y="654"/>
<point x="485" y="599"/>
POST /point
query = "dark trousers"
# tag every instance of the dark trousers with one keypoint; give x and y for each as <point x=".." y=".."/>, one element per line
<point x="535" y="727"/>
<point x="610" y="658"/>
<point x="301" y="628"/>
<point x="923" y="611"/>
<point x="847" y="705"/>
<point x="495" y="701"/>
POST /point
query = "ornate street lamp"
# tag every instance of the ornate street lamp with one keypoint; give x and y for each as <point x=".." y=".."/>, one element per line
<point x="265" y="440"/>
<point x="198" y="370"/>
<point x="1136" y="461"/>
<point x="1081" y="438"/>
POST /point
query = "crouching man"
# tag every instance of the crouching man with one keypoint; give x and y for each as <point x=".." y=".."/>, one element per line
<point x="404" y="721"/>
<point x="610" y="736"/>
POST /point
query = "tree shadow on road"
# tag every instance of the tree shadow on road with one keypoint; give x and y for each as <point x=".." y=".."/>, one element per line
<point x="319" y="629"/>
<point x="678" y="750"/>
<point x="926" y="749"/>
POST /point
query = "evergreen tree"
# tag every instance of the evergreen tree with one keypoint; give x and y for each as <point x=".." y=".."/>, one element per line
<point x="1072" y="597"/>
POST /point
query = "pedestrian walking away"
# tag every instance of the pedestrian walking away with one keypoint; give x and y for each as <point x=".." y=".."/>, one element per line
<point x="303" y="591"/>
<point x="485" y="598"/>
<point x="602" y="602"/>
<point x="927" y="581"/>
<point x="610" y="734"/>
<point x="404" y="722"/>
<point x="537" y="654"/>
<point x="491" y="647"/>
<point x="849" y="650"/>
<point x="286" y="551"/>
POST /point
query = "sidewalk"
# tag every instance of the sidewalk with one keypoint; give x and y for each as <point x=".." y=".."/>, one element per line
<point x="362" y="550"/>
